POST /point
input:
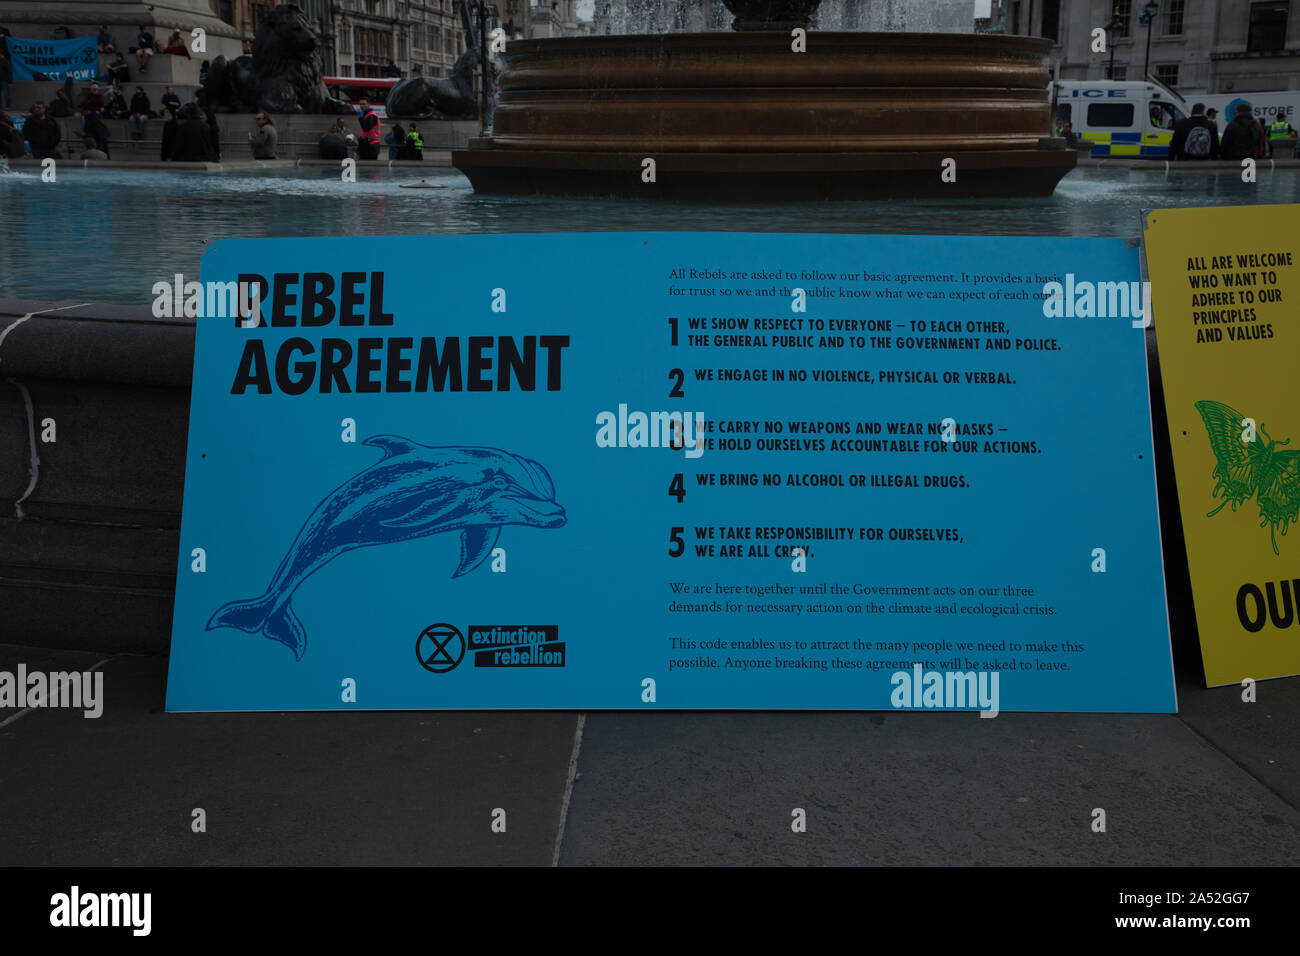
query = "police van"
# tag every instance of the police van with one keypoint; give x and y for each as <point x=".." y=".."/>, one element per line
<point x="1121" y="118"/>
<point x="1136" y="118"/>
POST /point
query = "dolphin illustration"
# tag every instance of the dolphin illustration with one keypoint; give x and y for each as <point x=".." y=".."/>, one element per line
<point x="415" y="490"/>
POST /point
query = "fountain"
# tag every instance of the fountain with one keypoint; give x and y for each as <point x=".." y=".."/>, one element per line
<point x="755" y="114"/>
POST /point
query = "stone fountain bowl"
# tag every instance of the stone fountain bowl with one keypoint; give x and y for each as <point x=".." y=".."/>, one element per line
<point x="740" y="116"/>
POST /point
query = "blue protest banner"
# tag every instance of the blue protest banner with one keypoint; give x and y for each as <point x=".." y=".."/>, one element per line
<point x="669" y="470"/>
<point x="77" y="58"/>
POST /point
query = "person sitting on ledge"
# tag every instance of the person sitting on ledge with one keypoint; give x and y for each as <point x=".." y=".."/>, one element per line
<point x="119" y="71"/>
<point x="116" y="107"/>
<point x="171" y="100"/>
<point x="61" y="107"/>
<point x="263" y="141"/>
<point x="143" y="48"/>
<point x="175" y="45"/>
<point x="350" y="145"/>
<point x="135" y="125"/>
<point x="92" y="98"/>
<point x="140" y="102"/>
<point x="91" y="151"/>
<point x="203" y="71"/>
<point x="105" y="40"/>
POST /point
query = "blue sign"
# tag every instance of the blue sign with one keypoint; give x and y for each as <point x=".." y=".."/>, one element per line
<point x="669" y="470"/>
<point x="54" y="59"/>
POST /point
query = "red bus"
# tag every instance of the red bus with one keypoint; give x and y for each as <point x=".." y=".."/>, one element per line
<point x="351" y="90"/>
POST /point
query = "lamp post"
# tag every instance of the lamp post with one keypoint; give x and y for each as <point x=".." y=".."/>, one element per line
<point x="1110" y="38"/>
<point x="484" y="11"/>
<point x="1148" y="15"/>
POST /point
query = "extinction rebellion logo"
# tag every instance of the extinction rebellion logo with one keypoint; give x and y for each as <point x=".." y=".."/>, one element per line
<point x="441" y="647"/>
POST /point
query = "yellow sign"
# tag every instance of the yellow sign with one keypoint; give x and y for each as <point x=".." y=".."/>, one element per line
<point x="1225" y="290"/>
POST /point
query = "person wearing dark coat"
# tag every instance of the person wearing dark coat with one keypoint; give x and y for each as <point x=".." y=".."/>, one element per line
<point x="140" y="102"/>
<point x="332" y="146"/>
<point x="61" y="107"/>
<point x="1183" y="129"/>
<point x="214" y="132"/>
<point x="193" y="143"/>
<point x="41" y="132"/>
<point x="168" y="133"/>
<point x="94" y="127"/>
<point x="1240" y="138"/>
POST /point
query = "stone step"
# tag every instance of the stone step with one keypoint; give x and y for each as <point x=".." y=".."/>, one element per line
<point x="25" y="94"/>
<point x="299" y="136"/>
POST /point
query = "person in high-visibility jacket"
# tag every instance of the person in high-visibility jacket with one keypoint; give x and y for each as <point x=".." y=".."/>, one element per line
<point x="1280" y="129"/>
<point x="415" y="141"/>
<point x="368" y="146"/>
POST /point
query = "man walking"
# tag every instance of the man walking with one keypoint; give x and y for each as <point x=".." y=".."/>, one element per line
<point x="1195" y="137"/>
<point x="264" y="140"/>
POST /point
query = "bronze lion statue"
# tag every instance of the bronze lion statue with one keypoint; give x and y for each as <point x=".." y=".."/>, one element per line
<point x="283" y="74"/>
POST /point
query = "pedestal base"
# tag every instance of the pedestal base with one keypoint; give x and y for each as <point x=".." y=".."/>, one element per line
<point x="762" y="177"/>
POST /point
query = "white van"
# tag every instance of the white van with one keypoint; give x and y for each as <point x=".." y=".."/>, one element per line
<point x="1136" y="118"/>
<point x="1121" y="118"/>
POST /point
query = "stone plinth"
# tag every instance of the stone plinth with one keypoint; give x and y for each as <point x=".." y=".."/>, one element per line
<point x="37" y="21"/>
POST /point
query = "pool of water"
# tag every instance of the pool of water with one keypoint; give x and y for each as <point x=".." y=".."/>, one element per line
<point x="108" y="235"/>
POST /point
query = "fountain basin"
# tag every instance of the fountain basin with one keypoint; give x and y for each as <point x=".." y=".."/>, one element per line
<point x="741" y="116"/>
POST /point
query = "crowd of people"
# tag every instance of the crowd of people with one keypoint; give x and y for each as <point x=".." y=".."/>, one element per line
<point x="1245" y="137"/>
<point x="145" y="48"/>
<point x="189" y="133"/>
<point x="402" y="142"/>
<point x="1197" y="137"/>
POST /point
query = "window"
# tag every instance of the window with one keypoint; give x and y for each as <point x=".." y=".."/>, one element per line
<point x="1110" y="114"/>
<point x="1267" y="27"/>
<point x="1015" y="18"/>
<point x="1171" y="19"/>
<point x="1119" y="73"/>
<point x="1164" y="115"/>
<point x="1168" y="74"/>
<point x="345" y="39"/>
<point x="1123" y="14"/>
<point x="1052" y="19"/>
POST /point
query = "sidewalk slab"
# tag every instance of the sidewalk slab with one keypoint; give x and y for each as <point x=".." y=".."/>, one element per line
<point x="916" y="789"/>
<point x="369" y="788"/>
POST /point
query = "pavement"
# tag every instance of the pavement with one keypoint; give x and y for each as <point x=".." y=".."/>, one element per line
<point x="1217" y="784"/>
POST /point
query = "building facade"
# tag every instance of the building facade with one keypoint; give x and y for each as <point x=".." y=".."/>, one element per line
<point x="383" y="37"/>
<point x="1215" y="46"/>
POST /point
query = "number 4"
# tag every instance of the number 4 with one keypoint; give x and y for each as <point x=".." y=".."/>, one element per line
<point x="677" y="488"/>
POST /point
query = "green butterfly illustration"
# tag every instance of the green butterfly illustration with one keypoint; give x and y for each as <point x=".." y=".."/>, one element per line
<point x="1247" y="467"/>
